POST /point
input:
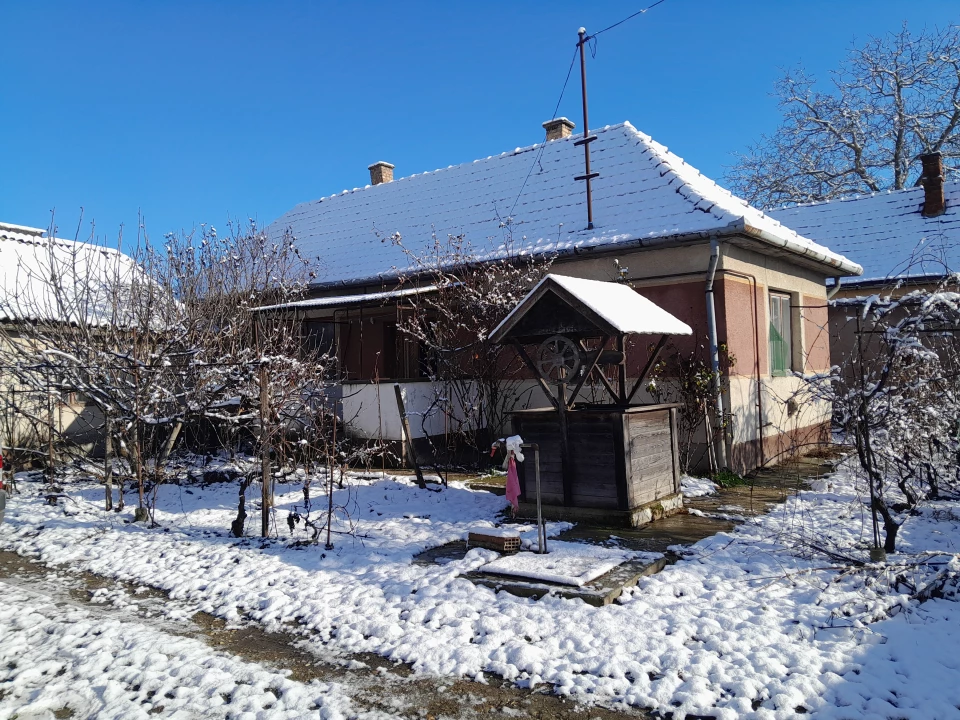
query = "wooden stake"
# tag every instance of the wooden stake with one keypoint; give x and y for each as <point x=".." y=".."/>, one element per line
<point x="264" y="455"/>
<point x="51" y="457"/>
<point x="408" y="437"/>
<point x="108" y="462"/>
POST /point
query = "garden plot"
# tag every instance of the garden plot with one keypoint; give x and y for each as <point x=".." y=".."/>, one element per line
<point x="748" y="624"/>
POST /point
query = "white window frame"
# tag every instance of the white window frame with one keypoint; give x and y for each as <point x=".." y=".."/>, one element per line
<point x="780" y="333"/>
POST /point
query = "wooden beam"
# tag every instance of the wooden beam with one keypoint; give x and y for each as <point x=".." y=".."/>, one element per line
<point x="566" y="464"/>
<point x="586" y="374"/>
<point x="647" y="368"/>
<point x="622" y="373"/>
<point x="536" y="373"/>
<point x="608" y="386"/>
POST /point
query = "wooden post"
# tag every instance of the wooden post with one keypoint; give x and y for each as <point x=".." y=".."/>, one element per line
<point x="108" y="462"/>
<point x="622" y="371"/>
<point x="675" y="449"/>
<point x="408" y="437"/>
<point x="566" y="466"/>
<point x="51" y="457"/>
<point x="330" y="464"/>
<point x="265" y="494"/>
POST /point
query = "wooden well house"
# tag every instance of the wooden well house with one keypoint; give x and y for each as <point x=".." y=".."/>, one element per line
<point x="613" y="461"/>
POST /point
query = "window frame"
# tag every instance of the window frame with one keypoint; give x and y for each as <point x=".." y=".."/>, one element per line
<point x="780" y="351"/>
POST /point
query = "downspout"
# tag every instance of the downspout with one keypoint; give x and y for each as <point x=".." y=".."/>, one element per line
<point x="834" y="290"/>
<point x="715" y="347"/>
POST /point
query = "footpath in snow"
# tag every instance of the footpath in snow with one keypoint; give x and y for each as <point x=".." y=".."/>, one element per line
<point x="744" y="626"/>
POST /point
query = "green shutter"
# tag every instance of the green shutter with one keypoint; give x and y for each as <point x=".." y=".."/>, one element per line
<point x="778" y="352"/>
<point x="780" y="335"/>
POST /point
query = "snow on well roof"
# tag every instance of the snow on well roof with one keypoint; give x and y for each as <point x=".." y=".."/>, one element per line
<point x="90" y="276"/>
<point x="626" y="310"/>
<point x="885" y="231"/>
<point x="645" y="194"/>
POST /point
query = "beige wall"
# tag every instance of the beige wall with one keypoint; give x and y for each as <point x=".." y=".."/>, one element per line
<point x="674" y="278"/>
<point x="75" y="421"/>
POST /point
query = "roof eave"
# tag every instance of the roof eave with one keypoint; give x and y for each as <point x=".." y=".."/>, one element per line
<point x="839" y="265"/>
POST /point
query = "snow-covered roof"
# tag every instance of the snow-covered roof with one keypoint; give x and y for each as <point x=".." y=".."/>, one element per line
<point x="622" y="308"/>
<point x="885" y="232"/>
<point x="350" y="300"/>
<point x="89" y="278"/>
<point x="527" y="201"/>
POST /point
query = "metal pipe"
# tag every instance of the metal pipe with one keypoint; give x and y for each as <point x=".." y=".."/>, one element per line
<point x="756" y="348"/>
<point x="582" y="32"/>
<point x="715" y="347"/>
<point x="541" y="528"/>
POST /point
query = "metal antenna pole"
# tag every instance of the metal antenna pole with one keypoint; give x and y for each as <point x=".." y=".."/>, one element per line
<point x="587" y="137"/>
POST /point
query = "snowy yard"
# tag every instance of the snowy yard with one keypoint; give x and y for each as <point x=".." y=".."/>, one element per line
<point x="58" y="659"/>
<point x="743" y="626"/>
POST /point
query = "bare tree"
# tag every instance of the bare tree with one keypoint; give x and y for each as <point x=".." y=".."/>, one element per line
<point x="897" y="399"/>
<point x="477" y="382"/>
<point x="893" y="99"/>
<point x="685" y="377"/>
<point x="165" y="338"/>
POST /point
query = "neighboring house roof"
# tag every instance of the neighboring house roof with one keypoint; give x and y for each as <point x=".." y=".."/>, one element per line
<point x="527" y="201"/>
<point x="885" y="232"/>
<point x="617" y="309"/>
<point x="90" y="277"/>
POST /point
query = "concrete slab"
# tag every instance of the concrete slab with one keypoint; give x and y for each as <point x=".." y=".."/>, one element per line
<point x="602" y="591"/>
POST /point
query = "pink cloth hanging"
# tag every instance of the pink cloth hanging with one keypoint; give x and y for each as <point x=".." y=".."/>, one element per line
<point x="513" y="483"/>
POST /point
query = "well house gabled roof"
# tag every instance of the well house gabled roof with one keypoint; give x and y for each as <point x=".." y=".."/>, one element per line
<point x="527" y="201"/>
<point x="616" y="309"/>
<point x="886" y="232"/>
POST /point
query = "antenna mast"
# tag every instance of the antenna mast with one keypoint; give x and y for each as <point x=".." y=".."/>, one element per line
<point x="587" y="137"/>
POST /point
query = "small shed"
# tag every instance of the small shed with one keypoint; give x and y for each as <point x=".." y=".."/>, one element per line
<point x="615" y="462"/>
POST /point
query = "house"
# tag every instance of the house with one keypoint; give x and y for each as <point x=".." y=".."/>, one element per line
<point x="733" y="274"/>
<point x="905" y="239"/>
<point x="54" y="282"/>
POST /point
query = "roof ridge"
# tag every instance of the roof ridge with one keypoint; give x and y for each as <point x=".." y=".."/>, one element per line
<point x="62" y="242"/>
<point x="506" y="153"/>
<point x="849" y="198"/>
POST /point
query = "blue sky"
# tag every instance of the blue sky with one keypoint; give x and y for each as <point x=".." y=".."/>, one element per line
<point x="198" y="111"/>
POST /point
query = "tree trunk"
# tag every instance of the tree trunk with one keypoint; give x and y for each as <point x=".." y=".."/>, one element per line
<point x="108" y="463"/>
<point x="236" y="527"/>
<point x="890" y="525"/>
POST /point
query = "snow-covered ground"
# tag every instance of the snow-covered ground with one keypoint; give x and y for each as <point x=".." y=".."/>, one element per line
<point x="747" y="625"/>
<point x="54" y="657"/>
<point x="697" y="487"/>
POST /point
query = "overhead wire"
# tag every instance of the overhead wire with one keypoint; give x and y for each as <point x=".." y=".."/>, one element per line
<point x="621" y="22"/>
<point x="593" y="52"/>
<point x="539" y="154"/>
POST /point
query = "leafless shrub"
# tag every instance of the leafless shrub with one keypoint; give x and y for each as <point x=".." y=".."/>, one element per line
<point x="477" y="382"/>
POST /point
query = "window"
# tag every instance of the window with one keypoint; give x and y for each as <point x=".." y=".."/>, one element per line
<point x="781" y="351"/>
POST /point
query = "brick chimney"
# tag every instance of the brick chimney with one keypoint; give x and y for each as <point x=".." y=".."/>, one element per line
<point x="932" y="181"/>
<point x="380" y="172"/>
<point x="558" y="128"/>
